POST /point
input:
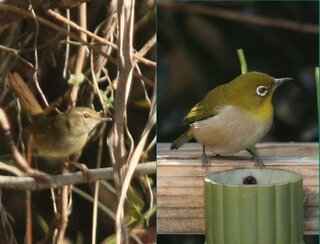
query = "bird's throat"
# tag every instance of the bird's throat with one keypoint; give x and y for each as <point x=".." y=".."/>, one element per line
<point x="264" y="111"/>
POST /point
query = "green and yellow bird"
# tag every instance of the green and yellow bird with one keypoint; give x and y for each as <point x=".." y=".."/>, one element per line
<point x="234" y="116"/>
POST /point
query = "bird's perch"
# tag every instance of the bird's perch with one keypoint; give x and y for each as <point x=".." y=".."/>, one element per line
<point x="180" y="181"/>
<point x="54" y="181"/>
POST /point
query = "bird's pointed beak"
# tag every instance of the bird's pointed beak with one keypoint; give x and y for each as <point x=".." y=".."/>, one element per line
<point x="279" y="81"/>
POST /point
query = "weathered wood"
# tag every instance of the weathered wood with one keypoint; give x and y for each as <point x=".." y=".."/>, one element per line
<point x="180" y="177"/>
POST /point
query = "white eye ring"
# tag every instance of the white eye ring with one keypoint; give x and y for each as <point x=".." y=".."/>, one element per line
<point x="262" y="90"/>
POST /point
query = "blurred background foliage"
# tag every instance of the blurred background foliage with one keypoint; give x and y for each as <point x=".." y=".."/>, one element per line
<point x="197" y="52"/>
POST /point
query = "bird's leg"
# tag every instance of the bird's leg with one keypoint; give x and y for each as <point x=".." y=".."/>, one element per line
<point x="84" y="169"/>
<point x="205" y="161"/>
<point x="253" y="151"/>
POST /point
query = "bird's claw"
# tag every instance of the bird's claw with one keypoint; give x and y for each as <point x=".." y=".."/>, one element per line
<point x="259" y="162"/>
<point x="82" y="167"/>
<point x="205" y="160"/>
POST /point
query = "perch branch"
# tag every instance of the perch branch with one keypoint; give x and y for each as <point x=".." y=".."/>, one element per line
<point x="56" y="181"/>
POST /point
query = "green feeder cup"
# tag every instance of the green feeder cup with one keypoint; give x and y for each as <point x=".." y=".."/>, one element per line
<point x="254" y="206"/>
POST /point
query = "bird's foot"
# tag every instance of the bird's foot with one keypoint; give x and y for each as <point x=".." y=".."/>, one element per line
<point x="259" y="161"/>
<point x="82" y="167"/>
<point x="253" y="151"/>
<point x="205" y="160"/>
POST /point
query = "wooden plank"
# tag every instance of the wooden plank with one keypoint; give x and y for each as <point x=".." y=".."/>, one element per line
<point x="198" y="212"/>
<point x="173" y="213"/>
<point x="198" y="191"/>
<point x="198" y="201"/>
<point x="175" y="170"/>
<point x="196" y="226"/>
<point x="180" y="181"/>
<point x="180" y="226"/>
<point x="194" y="181"/>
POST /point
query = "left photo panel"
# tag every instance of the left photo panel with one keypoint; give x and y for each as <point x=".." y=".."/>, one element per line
<point x="78" y="121"/>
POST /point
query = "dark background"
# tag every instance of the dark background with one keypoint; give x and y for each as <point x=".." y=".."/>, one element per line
<point x="197" y="52"/>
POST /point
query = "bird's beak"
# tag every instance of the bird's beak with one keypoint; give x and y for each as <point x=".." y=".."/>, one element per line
<point x="279" y="81"/>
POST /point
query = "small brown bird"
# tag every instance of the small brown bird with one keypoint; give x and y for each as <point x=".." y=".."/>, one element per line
<point x="54" y="134"/>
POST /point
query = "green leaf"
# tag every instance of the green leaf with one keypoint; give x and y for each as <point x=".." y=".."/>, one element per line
<point x="43" y="224"/>
<point x="243" y="62"/>
<point x="76" y="80"/>
<point x="108" y="101"/>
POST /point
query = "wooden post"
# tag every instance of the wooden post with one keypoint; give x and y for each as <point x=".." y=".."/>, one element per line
<point x="180" y="183"/>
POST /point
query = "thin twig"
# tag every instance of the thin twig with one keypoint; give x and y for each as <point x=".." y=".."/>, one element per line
<point x="109" y="28"/>
<point x="95" y="83"/>
<point x="62" y="214"/>
<point x="28" y="211"/>
<point x="117" y="149"/>
<point x="36" y="65"/>
<point x="57" y="28"/>
<point x="8" y="49"/>
<point x="20" y="127"/>
<point x="80" y="60"/>
<point x="96" y="190"/>
<point x="151" y="199"/>
<point x="88" y="197"/>
<point x="66" y="61"/>
<point x="11" y="169"/>
<point x="16" y="53"/>
<point x="56" y="181"/>
<point x="146" y="19"/>
<point x="133" y="161"/>
<point x="143" y="86"/>
<point x="19" y="160"/>
<point x="6" y="222"/>
<point x="146" y="48"/>
<point x="97" y="38"/>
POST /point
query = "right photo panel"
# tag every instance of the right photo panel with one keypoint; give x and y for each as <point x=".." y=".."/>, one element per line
<point x="237" y="125"/>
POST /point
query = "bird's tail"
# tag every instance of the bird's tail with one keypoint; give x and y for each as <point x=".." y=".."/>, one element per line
<point x="28" y="100"/>
<point x="186" y="136"/>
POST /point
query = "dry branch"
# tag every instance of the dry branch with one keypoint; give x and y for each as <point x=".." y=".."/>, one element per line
<point x="57" y="28"/>
<point x="56" y="181"/>
<point x="97" y="38"/>
<point x="19" y="160"/>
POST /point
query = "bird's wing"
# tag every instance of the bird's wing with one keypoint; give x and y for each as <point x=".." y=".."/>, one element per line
<point x="208" y="107"/>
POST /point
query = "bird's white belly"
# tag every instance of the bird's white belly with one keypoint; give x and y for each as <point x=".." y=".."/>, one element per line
<point x="231" y="131"/>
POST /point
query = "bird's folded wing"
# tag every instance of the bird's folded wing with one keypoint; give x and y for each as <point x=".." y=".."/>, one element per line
<point x="208" y="107"/>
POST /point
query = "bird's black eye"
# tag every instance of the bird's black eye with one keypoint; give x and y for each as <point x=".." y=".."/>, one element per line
<point x="262" y="90"/>
<point x="86" y="115"/>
